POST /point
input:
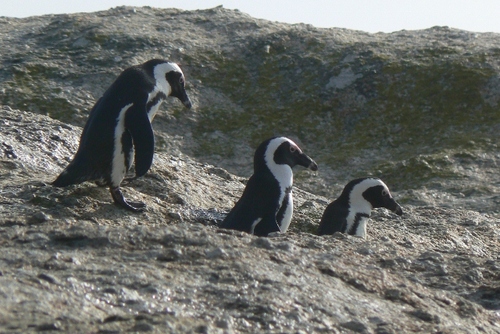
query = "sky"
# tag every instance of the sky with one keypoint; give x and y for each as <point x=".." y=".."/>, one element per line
<point x="366" y="15"/>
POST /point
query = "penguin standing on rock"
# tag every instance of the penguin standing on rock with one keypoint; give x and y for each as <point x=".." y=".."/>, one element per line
<point x="350" y="212"/>
<point x="118" y="130"/>
<point x="266" y="204"/>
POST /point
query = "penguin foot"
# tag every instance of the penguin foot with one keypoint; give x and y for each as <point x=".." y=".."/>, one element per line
<point x="117" y="195"/>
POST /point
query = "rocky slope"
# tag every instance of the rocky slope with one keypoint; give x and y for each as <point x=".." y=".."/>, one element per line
<point x="73" y="262"/>
<point x="417" y="108"/>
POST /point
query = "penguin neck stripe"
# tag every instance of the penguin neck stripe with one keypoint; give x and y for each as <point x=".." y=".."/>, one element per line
<point x="153" y="104"/>
<point x="282" y="173"/>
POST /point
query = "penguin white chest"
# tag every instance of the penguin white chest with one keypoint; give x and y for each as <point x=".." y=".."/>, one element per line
<point x="118" y="165"/>
<point x="284" y="176"/>
<point x="287" y="216"/>
<point x="356" y="224"/>
<point x="357" y="220"/>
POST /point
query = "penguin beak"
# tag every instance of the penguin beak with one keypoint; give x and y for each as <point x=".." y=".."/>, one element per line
<point x="306" y="161"/>
<point x="181" y="94"/>
<point x="187" y="102"/>
<point x="313" y="166"/>
<point x="394" y="206"/>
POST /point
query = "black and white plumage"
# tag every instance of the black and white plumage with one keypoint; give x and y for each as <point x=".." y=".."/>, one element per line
<point x="350" y="212"/>
<point x="118" y="130"/>
<point x="266" y="204"/>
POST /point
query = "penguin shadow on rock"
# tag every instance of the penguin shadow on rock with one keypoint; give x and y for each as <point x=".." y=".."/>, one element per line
<point x="266" y="204"/>
<point x="351" y="211"/>
<point x="118" y="131"/>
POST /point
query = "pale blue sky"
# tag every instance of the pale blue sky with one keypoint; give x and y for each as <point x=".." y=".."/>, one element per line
<point x="366" y="15"/>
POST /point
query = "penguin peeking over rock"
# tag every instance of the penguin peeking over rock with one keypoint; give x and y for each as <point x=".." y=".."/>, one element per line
<point x="118" y="131"/>
<point x="266" y="204"/>
<point x="350" y="212"/>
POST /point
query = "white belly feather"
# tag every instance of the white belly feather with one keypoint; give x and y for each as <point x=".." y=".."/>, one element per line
<point x="118" y="167"/>
<point x="287" y="217"/>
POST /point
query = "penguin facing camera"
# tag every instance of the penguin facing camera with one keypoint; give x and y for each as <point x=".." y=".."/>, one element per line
<point x="118" y="131"/>
<point x="266" y="204"/>
<point x="350" y="212"/>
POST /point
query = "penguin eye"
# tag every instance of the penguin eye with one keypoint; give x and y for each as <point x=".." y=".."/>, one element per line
<point x="385" y="192"/>
<point x="181" y="81"/>
<point x="293" y="149"/>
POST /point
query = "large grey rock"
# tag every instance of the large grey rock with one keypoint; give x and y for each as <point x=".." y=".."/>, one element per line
<point x="417" y="108"/>
<point x="71" y="261"/>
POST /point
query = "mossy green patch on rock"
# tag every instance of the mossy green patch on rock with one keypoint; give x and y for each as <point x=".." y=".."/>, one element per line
<point x="410" y="112"/>
<point x="454" y="166"/>
<point x="418" y="171"/>
<point x="32" y="89"/>
<point x="428" y="105"/>
<point x="275" y="96"/>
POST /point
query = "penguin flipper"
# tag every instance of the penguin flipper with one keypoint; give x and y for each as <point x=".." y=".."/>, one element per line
<point x="138" y="125"/>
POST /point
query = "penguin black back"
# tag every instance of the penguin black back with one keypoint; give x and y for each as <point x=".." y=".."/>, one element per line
<point x="266" y="204"/>
<point x="350" y="212"/>
<point x="118" y="130"/>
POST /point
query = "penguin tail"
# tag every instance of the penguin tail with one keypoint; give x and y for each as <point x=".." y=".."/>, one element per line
<point x="64" y="179"/>
<point x="73" y="174"/>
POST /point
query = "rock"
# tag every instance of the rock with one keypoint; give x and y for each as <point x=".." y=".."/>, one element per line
<point x="365" y="71"/>
<point x="41" y="217"/>
<point x="355" y="326"/>
<point x="216" y="253"/>
<point x="262" y="243"/>
<point x="55" y="326"/>
<point x="171" y="255"/>
<point x="48" y="278"/>
<point x="142" y="327"/>
<point x="417" y="108"/>
<point x="365" y="251"/>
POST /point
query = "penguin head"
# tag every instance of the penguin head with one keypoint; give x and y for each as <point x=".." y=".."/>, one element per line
<point x="169" y="75"/>
<point x="371" y="192"/>
<point x="281" y="151"/>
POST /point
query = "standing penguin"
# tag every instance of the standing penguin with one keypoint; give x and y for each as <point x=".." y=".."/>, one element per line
<point x="119" y="125"/>
<point x="350" y="212"/>
<point x="266" y="204"/>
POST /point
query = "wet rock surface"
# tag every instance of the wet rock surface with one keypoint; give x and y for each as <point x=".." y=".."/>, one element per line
<point x="418" y="109"/>
<point x="72" y="261"/>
